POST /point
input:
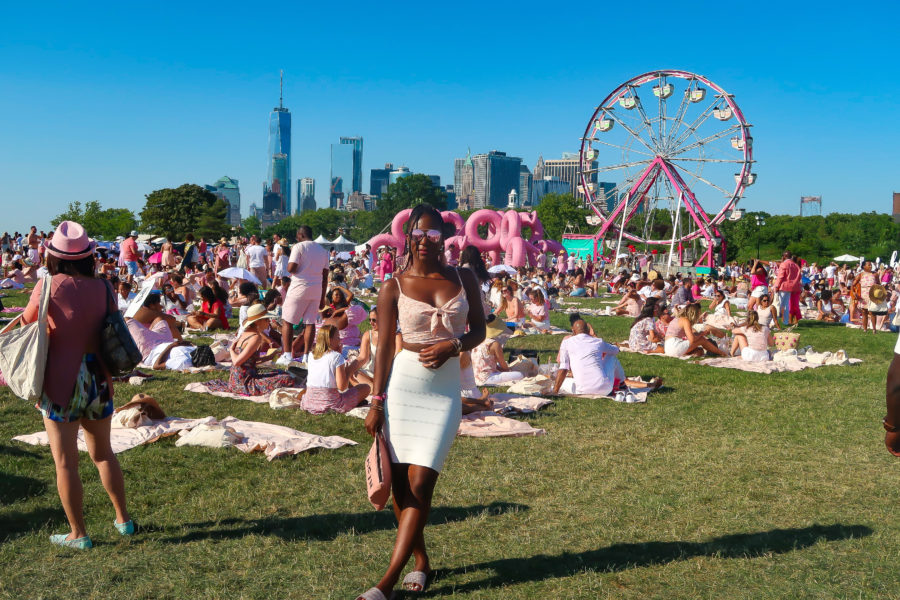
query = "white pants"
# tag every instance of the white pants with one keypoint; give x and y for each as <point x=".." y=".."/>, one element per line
<point x="503" y="378"/>
<point x="179" y="357"/>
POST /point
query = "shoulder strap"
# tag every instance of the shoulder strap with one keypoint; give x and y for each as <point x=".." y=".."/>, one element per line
<point x="109" y="296"/>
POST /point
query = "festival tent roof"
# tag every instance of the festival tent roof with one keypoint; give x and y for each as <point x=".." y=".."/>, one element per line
<point x="342" y="240"/>
<point x="846" y="258"/>
<point x="321" y="240"/>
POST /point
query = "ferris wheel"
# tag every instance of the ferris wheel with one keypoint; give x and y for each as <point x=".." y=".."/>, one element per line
<point x="670" y="140"/>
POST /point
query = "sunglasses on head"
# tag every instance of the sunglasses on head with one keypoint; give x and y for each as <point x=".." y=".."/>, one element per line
<point x="433" y="235"/>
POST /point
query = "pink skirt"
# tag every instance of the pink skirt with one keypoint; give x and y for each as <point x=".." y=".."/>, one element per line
<point x="319" y="401"/>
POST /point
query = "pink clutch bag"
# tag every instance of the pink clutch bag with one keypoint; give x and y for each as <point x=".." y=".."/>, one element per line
<point x="378" y="473"/>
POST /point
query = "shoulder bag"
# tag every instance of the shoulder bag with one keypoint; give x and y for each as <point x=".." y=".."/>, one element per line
<point x="118" y="349"/>
<point x="23" y="351"/>
<point x="378" y="473"/>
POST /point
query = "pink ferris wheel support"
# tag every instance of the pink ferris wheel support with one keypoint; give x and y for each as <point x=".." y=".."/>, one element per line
<point x="662" y="146"/>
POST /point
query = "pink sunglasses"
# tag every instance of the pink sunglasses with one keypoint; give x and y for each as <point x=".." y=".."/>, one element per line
<point x="433" y="235"/>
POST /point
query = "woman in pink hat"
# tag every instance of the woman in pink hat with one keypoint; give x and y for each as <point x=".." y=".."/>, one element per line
<point x="78" y="391"/>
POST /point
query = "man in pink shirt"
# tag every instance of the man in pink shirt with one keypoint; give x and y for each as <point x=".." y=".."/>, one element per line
<point x="308" y="266"/>
<point x="129" y="252"/>
<point x="788" y="286"/>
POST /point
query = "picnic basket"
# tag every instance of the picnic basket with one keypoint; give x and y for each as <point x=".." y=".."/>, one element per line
<point x="787" y="339"/>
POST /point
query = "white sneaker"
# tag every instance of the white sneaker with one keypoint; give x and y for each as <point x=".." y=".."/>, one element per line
<point x="283" y="360"/>
<point x="619" y="397"/>
<point x="630" y="398"/>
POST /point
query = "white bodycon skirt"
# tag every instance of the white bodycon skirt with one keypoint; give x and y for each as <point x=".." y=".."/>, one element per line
<point x="422" y="411"/>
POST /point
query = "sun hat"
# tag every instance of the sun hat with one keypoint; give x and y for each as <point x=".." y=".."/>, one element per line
<point x="255" y="313"/>
<point x="877" y="293"/>
<point x="282" y="242"/>
<point x="495" y="329"/>
<point x="70" y="242"/>
<point x="149" y="404"/>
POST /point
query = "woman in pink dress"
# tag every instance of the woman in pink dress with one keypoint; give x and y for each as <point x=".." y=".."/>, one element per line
<point x="168" y="256"/>
<point x="387" y="265"/>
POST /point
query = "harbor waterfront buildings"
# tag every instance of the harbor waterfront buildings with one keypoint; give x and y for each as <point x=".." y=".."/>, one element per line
<point x="227" y="189"/>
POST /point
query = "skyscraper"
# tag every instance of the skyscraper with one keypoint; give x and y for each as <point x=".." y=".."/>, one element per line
<point x="524" y="186"/>
<point x="547" y="185"/>
<point x="464" y="179"/>
<point x="495" y="175"/>
<point x="398" y="173"/>
<point x="379" y="180"/>
<point x="306" y="194"/>
<point x="227" y="189"/>
<point x="567" y="169"/>
<point x="341" y="174"/>
<point x="279" y="156"/>
<point x="356" y="182"/>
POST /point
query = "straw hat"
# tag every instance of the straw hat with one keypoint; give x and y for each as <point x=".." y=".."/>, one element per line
<point x="283" y="242"/>
<point x="877" y="293"/>
<point x="148" y="403"/>
<point x="70" y="242"/>
<point x="255" y="313"/>
<point x="495" y="329"/>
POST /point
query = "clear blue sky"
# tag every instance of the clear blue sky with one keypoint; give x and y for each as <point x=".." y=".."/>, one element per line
<point x="111" y="101"/>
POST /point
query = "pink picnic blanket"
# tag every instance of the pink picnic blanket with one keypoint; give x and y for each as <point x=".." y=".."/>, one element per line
<point x="276" y="440"/>
<point x="505" y="404"/>
<point x="781" y="365"/>
<point x="124" y="438"/>
<point x="200" y="388"/>
<point x="13" y="309"/>
<point x="489" y="424"/>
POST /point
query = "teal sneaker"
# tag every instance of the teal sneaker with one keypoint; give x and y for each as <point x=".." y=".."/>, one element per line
<point x="124" y="528"/>
<point x="82" y="543"/>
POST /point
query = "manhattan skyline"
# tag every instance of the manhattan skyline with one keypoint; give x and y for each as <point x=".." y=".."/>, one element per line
<point x="95" y="110"/>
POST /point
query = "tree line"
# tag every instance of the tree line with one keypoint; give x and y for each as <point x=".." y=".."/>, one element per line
<point x="174" y="212"/>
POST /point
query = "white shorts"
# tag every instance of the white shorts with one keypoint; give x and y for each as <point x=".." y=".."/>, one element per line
<point x="760" y="291"/>
<point x="676" y="347"/>
<point x="751" y="355"/>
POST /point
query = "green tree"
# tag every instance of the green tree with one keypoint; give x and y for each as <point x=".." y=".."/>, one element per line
<point x="97" y="221"/>
<point x="408" y="191"/>
<point x="325" y="221"/>
<point x="557" y="210"/>
<point x="213" y="221"/>
<point x="251" y="226"/>
<point x="175" y="212"/>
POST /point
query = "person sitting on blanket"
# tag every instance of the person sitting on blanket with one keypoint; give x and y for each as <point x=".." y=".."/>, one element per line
<point x="643" y="336"/>
<point x="682" y="294"/>
<point x="212" y="313"/>
<point x="247" y="295"/>
<point x="14" y="279"/>
<point x="366" y="357"/>
<point x="328" y="374"/>
<point x="537" y="311"/>
<point x="152" y="316"/>
<point x="489" y="366"/>
<point x="244" y="378"/>
<point x="681" y="339"/>
<point x="720" y="305"/>
<point x="124" y="296"/>
<point x="752" y="339"/>
<point x="593" y="364"/>
<point x="174" y="304"/>
<point x="515" y="312"/>
<point x="825" y="308"/>
<point x="631" y="302"/>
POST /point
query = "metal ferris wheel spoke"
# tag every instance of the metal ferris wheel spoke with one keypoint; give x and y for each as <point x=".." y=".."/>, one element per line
<point x="626" y="148"/>
<point x="647" y="124"/>
<point x="661" y="111"/>
<point x="616" y="167"/>
<point x="697" y="176"/>
<point x="709" y="160"/>
<point x="706" y="140"/>
<point x="633" y="133"/>
<point x="707" y="113"/>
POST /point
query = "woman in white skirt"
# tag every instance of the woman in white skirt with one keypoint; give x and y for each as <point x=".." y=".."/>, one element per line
<point x="753" y="338"/>
<point x="416" y="400"/>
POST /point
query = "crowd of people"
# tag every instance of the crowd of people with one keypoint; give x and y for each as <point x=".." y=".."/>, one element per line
<point x="435" y="336"/>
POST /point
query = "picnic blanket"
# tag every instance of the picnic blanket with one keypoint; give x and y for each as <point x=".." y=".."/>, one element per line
<point x="275" y="399"/>
<point x="779" y="365"/>
<point x="13" y="309"/>
<point x="272" y="440"/>
<point x="489" y="424"/>
<point x="125" y="438"/>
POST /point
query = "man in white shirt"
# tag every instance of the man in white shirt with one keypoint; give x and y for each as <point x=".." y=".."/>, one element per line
<point x="592" y="362"/>
<point x="258" y="260"/>
<point x="308" y="266"/>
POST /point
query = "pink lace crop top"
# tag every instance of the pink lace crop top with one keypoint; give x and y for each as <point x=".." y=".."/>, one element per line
<point x="422" y="323"/>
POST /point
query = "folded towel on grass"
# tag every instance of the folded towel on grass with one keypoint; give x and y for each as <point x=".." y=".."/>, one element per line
<point x="781" y="365"/>
<point x="489" y="424"/>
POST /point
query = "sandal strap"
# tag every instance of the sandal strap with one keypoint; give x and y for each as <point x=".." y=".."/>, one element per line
<point x="415" y="578"/>
<point x="372" y="594"/>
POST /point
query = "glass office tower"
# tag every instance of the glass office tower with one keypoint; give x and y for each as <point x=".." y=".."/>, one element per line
<point x="341" y="174"/>
<point x="356" y="180"/>
<point x="279" y="156"/>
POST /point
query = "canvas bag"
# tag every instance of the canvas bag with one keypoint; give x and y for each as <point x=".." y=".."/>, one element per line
<point x="786" y="340"/>
<point x="378" y="473"/>
<point x="23" y="351"/>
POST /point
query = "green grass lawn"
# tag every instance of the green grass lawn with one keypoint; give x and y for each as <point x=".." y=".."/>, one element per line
<point x="724" y="485"/>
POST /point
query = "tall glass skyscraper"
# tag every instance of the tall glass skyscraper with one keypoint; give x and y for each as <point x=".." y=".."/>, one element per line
<point x="341" y="175"/>
<point x="306" y="194"/>
<point x="357" y="144"/>
<point x="495" y="175"/>
<point x="279" y="157"/>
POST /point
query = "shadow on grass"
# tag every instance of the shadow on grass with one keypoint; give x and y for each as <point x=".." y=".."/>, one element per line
<point x="16" y="487"/>
<point x="18" y="452"/>
<point x="619" y="557"/>
<point x="16" y="524"/>
<point x="329" y="526"/>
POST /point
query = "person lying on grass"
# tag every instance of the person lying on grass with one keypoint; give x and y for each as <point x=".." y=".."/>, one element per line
<point x="593" y="364"/>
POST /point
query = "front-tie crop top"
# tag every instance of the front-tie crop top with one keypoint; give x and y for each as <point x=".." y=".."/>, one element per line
<point x="422" y="323"/>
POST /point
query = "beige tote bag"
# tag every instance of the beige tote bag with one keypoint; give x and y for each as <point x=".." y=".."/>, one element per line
<point x="23" y="351"/>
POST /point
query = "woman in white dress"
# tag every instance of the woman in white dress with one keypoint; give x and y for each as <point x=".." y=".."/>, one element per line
<point x="416" y="394"/>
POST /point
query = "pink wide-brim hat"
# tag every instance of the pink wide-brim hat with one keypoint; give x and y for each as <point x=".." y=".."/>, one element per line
<point x="70" y="242"/>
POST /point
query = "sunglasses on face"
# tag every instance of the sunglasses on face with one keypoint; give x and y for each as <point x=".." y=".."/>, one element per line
<point x="433" y="235"/>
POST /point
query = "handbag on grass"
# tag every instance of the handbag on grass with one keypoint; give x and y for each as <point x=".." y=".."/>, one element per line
<point x="23" y="351"/>
<point x="118" y="349"/>
<point x="378" y="473"/>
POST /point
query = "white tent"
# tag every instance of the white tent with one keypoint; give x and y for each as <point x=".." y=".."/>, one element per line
<point x="321" y="240"/>
<point x="846" y="258"/>
<point x="341" y="243"/>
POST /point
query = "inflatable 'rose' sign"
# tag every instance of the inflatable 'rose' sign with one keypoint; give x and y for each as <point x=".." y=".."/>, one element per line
<point x="504" y="234"/>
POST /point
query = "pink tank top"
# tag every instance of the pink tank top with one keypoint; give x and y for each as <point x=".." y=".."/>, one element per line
<point x="422" y="323"/>
<point x="675" y="329"/>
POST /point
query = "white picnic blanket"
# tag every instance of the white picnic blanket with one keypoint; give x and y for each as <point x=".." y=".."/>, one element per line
<point x="779" y="365"/>
<point x="276" y="398"/>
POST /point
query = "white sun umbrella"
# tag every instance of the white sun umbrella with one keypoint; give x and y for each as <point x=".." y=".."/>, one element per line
<point x="239" y="273"/>
<point x="846" y="258"/>
<point x="142" y="247"/>
<point x="502" y="269"/>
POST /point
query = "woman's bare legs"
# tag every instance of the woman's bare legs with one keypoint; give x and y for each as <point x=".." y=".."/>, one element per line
<point x="413" y="487"/>
<point x="64" y="447"/>
<point x="740" y="341"/>
<point x="96" y="436"/>
<point x="701" y="342"/>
